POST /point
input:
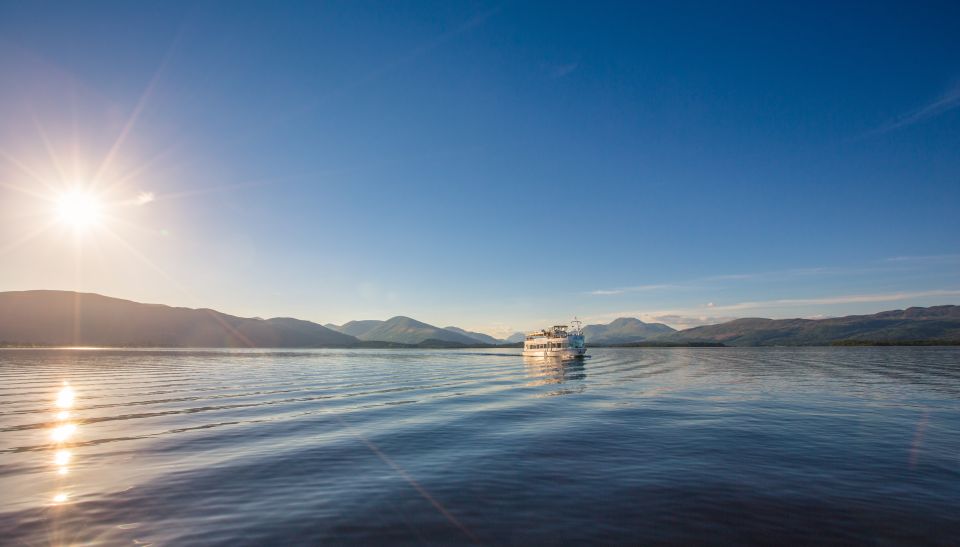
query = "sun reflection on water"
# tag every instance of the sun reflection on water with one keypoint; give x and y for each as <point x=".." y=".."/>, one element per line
<point x="62" y="457"/>
<point x="542" y="371"/>
<point x="61" y="434"/>
<point x="65" y="396"/>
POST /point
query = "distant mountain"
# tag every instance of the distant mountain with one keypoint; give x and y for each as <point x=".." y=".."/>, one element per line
<point x="515" y="337"/>
<point x="356" y="328"/>
<point x="625" y="330"/>
<point x="410" y="331"/>
<point x="937" y="323"/>
<point x="85" y="319"/>
<point x="63" y="318"/>
<point x="478" y="336"/>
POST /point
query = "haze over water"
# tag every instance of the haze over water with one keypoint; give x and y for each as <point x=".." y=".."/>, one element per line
<point x="682" y="445"/>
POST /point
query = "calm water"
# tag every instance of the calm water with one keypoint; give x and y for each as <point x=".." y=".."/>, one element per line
<point x="709" y="446"/>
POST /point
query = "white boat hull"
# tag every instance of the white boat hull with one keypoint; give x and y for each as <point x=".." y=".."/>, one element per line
<point x="556" y="353"/>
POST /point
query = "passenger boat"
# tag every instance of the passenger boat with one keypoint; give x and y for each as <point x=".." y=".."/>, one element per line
<point x="558" y="341"/>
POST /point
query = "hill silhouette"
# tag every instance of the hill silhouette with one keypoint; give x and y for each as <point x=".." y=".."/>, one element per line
<point x="406" y="330"/>
<point x="67" y="318"/>
<point x="625" y="330"/>
<point x="936" y="323"/>
<point x="478" y="336"/>
<point x="356" y="328"/>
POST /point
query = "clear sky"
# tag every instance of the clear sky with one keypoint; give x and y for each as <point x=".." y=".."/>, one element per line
<point x="492" y="166"/>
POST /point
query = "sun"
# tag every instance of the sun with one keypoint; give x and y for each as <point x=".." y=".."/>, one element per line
<point x="79" y="209"/>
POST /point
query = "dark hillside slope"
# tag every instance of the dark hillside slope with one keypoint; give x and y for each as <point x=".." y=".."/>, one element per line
<point x="356" y="328"/>
<point x="478" y="336"/>
<point x="410" y="331"/>
<point x="937" y="323"/>
<point x="86" y="319"/>
<point x="625" y="330"/>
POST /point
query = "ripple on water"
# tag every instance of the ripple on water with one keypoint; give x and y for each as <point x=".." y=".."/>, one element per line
<point x="676" y="445"/>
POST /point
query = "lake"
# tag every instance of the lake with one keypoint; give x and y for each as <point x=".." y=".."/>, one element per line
<point x="672" y="445"/>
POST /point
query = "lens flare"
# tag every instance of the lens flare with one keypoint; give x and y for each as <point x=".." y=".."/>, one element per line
<point x="60" y="498"/>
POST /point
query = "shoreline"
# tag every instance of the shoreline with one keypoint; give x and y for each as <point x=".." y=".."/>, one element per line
<point x="386" y="345"/>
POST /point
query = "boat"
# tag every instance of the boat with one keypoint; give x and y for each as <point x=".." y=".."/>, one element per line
<point x="558" y="341"/>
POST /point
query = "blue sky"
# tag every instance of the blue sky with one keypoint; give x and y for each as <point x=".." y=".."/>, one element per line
<point x="492" y="166"/>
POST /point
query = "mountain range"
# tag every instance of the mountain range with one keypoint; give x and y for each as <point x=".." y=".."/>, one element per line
<point x="625" y="330"/>
<point x="515" y="338"/>
<point x="936" y="323"/>
<point x="64" y="318"/>
<point x="410" y="331"/>
<point x="355" y="328"/>
<point x="479" y="336"/>
<point x="403" y="330"/>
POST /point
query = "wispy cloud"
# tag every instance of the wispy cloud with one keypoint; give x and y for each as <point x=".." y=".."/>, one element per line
<point x="559" y="71"/>
<point x="734" y="277"/>
<point x="637" y="288"/>
<point x="925" y="258"/>
<point x="142" y="198"/>
<point x="942" y="105"/>
<point x="831" y="300"/>
<point x="890" y="264"/>
<point x="701" y="281"/>
<point x="795" y="272"/>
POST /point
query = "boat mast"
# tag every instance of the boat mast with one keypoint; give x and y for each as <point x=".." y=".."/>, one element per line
<point x="577" y="326"/>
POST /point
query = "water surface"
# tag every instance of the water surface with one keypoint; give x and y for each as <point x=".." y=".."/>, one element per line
<point x="676" y="445"/>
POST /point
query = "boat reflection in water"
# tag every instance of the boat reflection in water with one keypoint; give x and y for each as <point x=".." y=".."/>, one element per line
<point x="554" y="370"/>
<point x="61" y="435"/>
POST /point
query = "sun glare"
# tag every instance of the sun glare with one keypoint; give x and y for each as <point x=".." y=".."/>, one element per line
<point x="79" y="209"/>
<point x="62" y="433"/>
<point x="62" y="457"/>
<point x="65" y="396"/>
